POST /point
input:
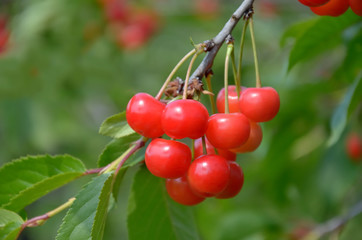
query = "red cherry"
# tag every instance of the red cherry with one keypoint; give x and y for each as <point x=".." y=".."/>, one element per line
<point x="144" y="115"/>
<point x="132" y="36"/>
<point x="356" y="6"/>
<point x="354" y="147"/>
<point x="185" y="118"/>
<point x="116" y="10"/>
<point x="179" y="190"/>
<point x="209" y="174"/>
<point x="254" y="140"/>
<point x="233" y="99"/>
<point x="236" y="182"/>
<point x="313" y="3"/>
<point x="333" y="8"/>
<point x="146" y="19"/>
<point x="227" y="131"/>
<point x="260" y="104"/>
<point x="230" y="156"/>
<point x="167" y="158"/>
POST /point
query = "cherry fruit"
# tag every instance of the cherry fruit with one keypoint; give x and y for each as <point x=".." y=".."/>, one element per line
<point x="144" y="113"/>
<point x="254" y="140"/>
<point x="260" y="104"/>
<point x="356" y="6"/>
<point x="167" y="158"/>
<point x="313" y="3"/>
<point x="332" y="8"/>
<point x="235" y="183"/>
<point x="230" y="156"/>
<point x="185" y="118"/>
<point x="209" y="174"/>
<point x="232" y="97"/>
<point x="227" y="131"/>
<point x="179" y="190"/>
<point x="354" y="147"/>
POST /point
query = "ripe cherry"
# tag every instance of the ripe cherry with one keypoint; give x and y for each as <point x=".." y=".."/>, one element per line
<point x="233" y="99"/>
<point x="313" y="3"/>
<point x="230" y="156"/>
<point x="236" y="182"/>
<point x="356" y="6"/>
<point x="227" y="131"/>
<point x="209" y="174"/>
<point x="179" y="190"/>
<point x="254" y="140"/>
<point x="167" y="158"/>
<point x="185" y="118"/>
<point x="260" y="104"/>
<point x="132" y="36"/>
<point x="144" y="113"/>
<point x="354" y="147"/>
<point x="332" y="8"/>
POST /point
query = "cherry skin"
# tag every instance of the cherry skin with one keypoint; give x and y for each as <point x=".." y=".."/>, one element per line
<point x="185" y="118"/>
<point x="209" y="174"/>
<point x="230" y="156"/>
<point x="356" y="6"/>
<point x="132" y="36"/>
<point x="354" y="147"/>
<point x="179" y="190"/>
<point x="233" y="99"/>
<point x="332" y="8"/>
<point x="227" y="131"/>
<point x="235" y="184"/>
<point x="144" y="113"/>
<point x="313" y="3"/>
<point x="254" y="140"/>
<point x="167" y="158"/>
<point x="260" y="104"/>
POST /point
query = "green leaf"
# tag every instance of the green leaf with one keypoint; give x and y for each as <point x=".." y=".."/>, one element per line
<point x="324" y="34"/>
<point x="341" y="114"/>
<point x="153" y="215"/>
<point x="296" y="30"/>
<point x="115" y="149"/>
<point x="118" y="181"/>
<point x="26" y="179"/>
<point x="87" y="215"/>
<point x="10" y="224"/>
<point x="116" y="126"/>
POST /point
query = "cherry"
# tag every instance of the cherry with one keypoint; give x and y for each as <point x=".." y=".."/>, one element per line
<point x="116" y="10"/>
<point x="167" y="158"/>
<point x="233" y="99"/>
<point x="332" y="8"/>
<point x="236" y="182"/>
<point x="179" y="190"/>
<point x="313" y="3"/>
<point x="185" y="118"/>
<point x="230" y="156"/>
<point x="209" y="174"/>
<point x="356" y="6"/>
<point x="354" y="146"/>
<point x="144" y="113"/>
<point x="132" y="36"/>
<point x="227" y="131"/>
<point x="260" y="104"/>
<point x="254" y="140"/>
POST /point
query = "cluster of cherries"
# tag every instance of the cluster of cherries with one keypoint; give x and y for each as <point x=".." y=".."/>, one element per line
<point x="333" y="8"/>
<point x="213" y="173"/>
<point x="131" y="27"/>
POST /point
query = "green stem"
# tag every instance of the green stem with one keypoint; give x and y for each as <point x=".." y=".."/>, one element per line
<point x="204" y="149"/>
<point x="228" y="53"/>
<point x="211" y="97"/>
<point x="233" y="64"/>
<point x="169" y="78"/>
<point x="258" y="81"/>
<point x="192" y="148"/>
<point x="242" y="41"/>
<point x="188" y="75"/>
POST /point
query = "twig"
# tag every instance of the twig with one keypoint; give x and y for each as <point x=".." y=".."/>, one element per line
<point x="219" y="39"/>
<point x="334" y="223"/>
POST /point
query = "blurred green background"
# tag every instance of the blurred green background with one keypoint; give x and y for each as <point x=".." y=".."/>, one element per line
<point x="63" y="72"/>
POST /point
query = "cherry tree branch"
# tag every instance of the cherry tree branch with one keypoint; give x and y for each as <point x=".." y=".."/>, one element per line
<point x="214" y="45"/>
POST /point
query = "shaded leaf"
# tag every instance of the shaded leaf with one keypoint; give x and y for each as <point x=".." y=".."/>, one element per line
<point x="153" y="215"/>
<point x="26" y="179"/>
<point x="116" y="126"/>
<point x="341" y="114"/>
<point x="296" y="30"/>
<point x="10" y="224"/>
<point x="86" y="217"/>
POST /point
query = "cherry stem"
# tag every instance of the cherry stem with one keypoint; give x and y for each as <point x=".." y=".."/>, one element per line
<point x="188" y="75"/>
<point x="39" y="220"/>
<point x="237" y="84"/>
<point x="228" y="53"/>
<point x="242" y="41"/>
<point x="209" y="88"/>
<point x="169" y="78"/>
<point x="192" y="148"/>
<point x="258" y="82"/>
<point x="204" y="149"/>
